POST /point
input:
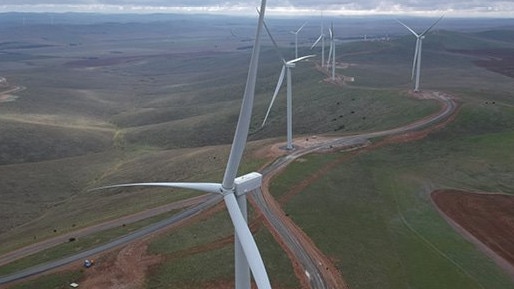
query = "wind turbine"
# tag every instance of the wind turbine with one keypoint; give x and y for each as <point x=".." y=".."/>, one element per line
<point x="332" y="52"/>
<point x="322" y="39"/>
<point x="233" y="190"/>
<point x="416" y="63"/>
<point x="286" y="70"/>
<point x="296" y="39"/>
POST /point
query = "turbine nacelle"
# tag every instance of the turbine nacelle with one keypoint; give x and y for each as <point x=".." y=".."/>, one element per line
<point x="247" y="183"/>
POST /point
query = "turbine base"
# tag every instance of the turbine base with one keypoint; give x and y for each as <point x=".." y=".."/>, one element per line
<point x="288" y="149"/>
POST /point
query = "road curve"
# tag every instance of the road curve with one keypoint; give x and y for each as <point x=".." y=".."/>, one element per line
<point x="316" y="273"/>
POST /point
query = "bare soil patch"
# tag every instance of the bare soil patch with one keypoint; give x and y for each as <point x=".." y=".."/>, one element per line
<point x="484" y="218"/>
<point x="127" y="270"/>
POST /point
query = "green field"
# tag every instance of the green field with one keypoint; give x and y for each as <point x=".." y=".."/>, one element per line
<point x="99" y="113"/>
<point x="378" y="221"/>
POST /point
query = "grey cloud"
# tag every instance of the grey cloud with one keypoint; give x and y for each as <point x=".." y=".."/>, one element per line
<point x="403" y="5"/>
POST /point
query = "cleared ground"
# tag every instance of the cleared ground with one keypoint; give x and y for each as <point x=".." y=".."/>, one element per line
<point x="487" y="217"/>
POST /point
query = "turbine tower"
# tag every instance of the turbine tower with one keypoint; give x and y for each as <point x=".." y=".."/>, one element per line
<point x="296" y="39"/>
<point x="416" y="63"/>
<point x="322" y="39"/>
<point x="332" y="52"/>
<point x="286" y="70"/>
<point x="233" y="190"/>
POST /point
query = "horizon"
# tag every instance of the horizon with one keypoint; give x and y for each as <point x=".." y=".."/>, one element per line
<point x="246" y="11"/>
<point x="276" y="16"/>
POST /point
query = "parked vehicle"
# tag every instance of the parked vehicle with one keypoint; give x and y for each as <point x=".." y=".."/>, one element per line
<point x="88" y="263"/>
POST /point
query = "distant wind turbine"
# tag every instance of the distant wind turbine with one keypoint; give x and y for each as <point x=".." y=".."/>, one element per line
<point x="233" y="190"/>
<point x="332" y="52"/>
<point x="322" y="39"/>
<point x="296" y="39"/>
<point x="416" y="63"/>
<point x="286" y="69"/>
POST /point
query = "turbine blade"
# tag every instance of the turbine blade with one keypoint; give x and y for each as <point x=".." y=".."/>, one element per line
<point x="317" y="41"/>
<point x="300" y="59"/>
<point x="245" y="114"/>
<point x="331" y="31"/>
<point x="277" y="89"/>
<point x="277" y="49"/>
<point x="300" y="29"/>
<point x="416" y="55"/>
<point x="202" y="187"/>
<point x="432" y="26"/>
<point x="330" y="53"/>
<point x="248" y="244"/>
<point x="408" y="28"/>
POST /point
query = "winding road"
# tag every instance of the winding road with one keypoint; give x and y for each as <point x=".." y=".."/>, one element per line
<point x="297" y="244"/>
<point x="7" y="94"/>
<point x="316" y="271"/>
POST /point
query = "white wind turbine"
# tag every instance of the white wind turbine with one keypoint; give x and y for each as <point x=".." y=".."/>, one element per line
<point x="296" y="39"/>
<point x="322" y="39"/>
<point x="416" y="63"/>
<point x="286" y="70"/>
<point x="332" y="52"/>
<point x="247" y="256"/>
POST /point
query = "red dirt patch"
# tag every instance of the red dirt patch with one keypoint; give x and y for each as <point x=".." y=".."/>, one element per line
<point x="488" y="218"/>
<point x="125" y="270"/>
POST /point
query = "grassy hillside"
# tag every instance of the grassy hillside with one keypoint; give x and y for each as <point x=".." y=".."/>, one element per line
<point x="372" y="214"/>
<point x="103" y="112"/>
<point x="33" y="142"/>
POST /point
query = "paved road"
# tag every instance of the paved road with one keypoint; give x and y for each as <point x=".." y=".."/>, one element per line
<point x="211" y="201"/>
<point x="314" y="270"/>
<point x="312" y="267"/>
<point x="52" y="242"/>
<point x="291" y="240"/>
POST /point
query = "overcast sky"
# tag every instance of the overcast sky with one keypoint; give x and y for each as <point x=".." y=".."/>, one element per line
<point x="487" y="8"/>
